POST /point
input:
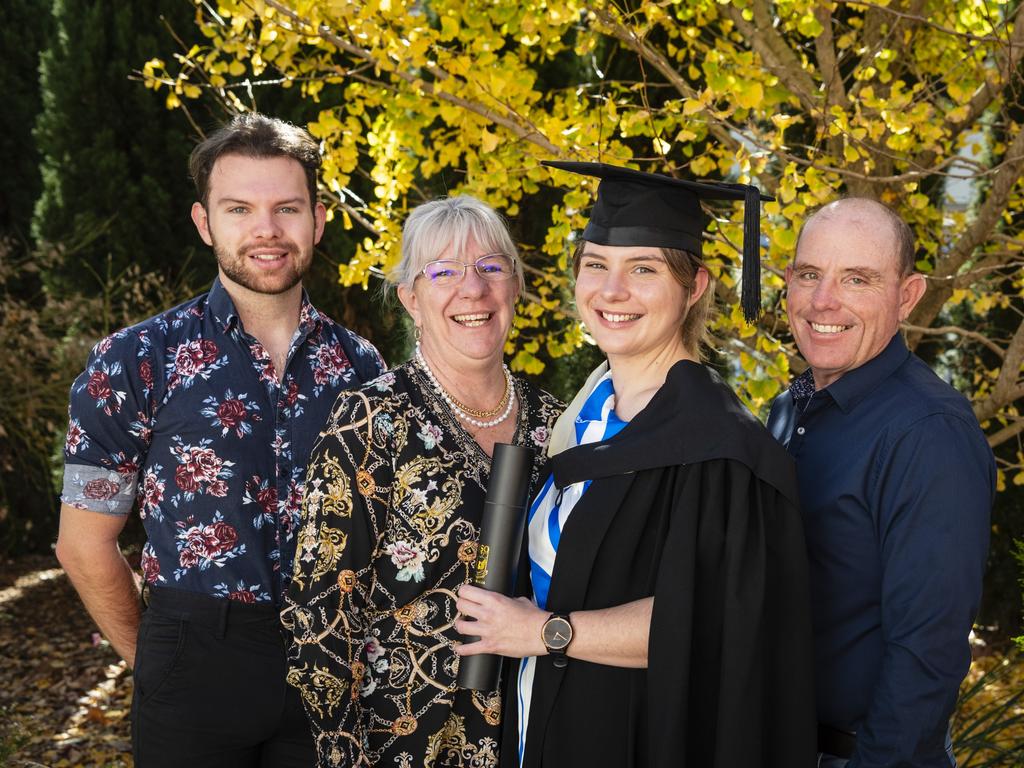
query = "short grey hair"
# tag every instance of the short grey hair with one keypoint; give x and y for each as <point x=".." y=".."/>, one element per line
<point x="451" y="222"/>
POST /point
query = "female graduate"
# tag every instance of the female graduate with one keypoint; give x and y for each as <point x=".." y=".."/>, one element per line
<point x="667" y="623"/>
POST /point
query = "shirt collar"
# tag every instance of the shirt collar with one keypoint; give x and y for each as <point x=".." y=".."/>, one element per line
<point x="802" y="388"/>
<point x="223" y="309"/>
<point x="221" y="306"/>
<point x="310" y="319"/>
<point x="855" y="385"/>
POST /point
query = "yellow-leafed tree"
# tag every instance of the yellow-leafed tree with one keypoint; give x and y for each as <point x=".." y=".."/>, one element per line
<point x="916" y="103"/>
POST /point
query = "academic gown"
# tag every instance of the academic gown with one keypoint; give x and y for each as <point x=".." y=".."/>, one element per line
<point x="694" y="503"/>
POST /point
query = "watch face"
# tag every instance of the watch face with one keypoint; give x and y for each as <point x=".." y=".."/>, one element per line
<point x="557" y="633"/>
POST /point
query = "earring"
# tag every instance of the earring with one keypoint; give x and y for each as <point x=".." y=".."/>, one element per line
<point x="416" y="332"/>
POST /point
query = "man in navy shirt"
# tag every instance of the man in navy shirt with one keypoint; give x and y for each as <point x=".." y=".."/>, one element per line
<point x="896" y="483"/>
<point x="203" y="418"/>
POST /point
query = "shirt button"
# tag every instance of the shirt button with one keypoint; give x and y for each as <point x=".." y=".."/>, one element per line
<point x="800" y="430"/>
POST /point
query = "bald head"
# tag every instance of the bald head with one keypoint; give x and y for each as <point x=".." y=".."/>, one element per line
<point x="873" y="216"/>
<point x="850" y="286"/>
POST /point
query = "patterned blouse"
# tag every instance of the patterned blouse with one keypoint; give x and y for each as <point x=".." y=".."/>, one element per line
<point x="389" y="532"/>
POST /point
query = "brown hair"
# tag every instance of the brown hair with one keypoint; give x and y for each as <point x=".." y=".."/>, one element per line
<point x="683" y="266"/>
<point x="259" y="136"/>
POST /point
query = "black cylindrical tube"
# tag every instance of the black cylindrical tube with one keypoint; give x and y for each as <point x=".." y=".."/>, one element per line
<point x="501" y="531"/>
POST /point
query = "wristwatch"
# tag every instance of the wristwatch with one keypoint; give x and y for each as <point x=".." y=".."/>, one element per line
<point x="557" y="634"/>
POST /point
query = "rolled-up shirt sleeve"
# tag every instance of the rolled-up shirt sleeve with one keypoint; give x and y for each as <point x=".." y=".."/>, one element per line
<point x="933" y="495"/>
<point x="109" y="425"/>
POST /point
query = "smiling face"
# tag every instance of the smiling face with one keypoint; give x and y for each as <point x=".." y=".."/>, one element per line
<point x="260" y="222"/>
<point x="464" y="325"/>
<point x="632" y="304"/>
<point x="845" y="294"/>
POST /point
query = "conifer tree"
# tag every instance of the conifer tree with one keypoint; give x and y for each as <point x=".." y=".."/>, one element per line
<point x="25" y="27"/>
<point x="115" y="181"/>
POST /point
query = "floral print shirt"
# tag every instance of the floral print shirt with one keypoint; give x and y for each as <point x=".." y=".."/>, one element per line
<point x="183" y="417"/>
<point x="390" y="526"/>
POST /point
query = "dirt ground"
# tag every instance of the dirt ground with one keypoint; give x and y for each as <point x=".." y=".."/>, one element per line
<point x="65" y="697"/>
<point x="64" y="694"/>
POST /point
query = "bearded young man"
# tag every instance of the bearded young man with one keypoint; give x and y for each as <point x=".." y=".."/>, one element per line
<point x="203" y="418"/>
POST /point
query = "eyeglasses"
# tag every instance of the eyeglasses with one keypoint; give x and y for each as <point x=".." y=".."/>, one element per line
<point x="494" y="267"/>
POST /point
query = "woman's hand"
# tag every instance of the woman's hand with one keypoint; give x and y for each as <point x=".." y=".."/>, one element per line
<point x="506" y="626"/>
<point x="617" y="636"/>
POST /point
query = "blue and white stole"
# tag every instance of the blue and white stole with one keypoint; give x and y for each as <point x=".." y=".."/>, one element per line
<point x="548" y="513"/>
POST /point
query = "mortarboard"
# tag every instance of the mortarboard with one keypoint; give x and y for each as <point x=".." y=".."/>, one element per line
<point x="637" y="208"/>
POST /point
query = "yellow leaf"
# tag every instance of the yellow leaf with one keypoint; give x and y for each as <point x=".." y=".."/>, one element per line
<point x="784" y="237"/>
<point x="750" y="95"/>
<point x="809" y="25"/>
<point x="763" y="389"/>
<point x="488" y="141"/>
<point x="782" y="122"/>
<point x="449" y="27"/>
<point x="702" y="166"/>
<point x="918" y="201"/>
<point x="787" y="190"/>
<point x="692" y="106"/>
<point x="527" y="363"/>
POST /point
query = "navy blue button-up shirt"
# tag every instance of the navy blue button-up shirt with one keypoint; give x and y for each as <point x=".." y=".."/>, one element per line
<point x="183" y="417"/>
<point x="896" y="486"/>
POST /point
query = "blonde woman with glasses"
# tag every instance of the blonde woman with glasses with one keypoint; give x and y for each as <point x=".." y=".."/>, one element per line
<point x="393" y="505"/>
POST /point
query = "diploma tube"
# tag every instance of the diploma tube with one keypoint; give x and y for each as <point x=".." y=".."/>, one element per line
<point x="501" y="532"/>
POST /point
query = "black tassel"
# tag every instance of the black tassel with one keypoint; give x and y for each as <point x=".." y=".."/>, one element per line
<point x="751" y="279"/>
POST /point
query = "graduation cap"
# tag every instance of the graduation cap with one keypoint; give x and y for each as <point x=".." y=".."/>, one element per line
<point x="637" y="208"/>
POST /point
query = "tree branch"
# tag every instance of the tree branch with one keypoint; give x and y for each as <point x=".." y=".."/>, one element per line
<point x="775" y="52"/>
<point x="1007" y="65"/>
<point x="1006" y="433"/>
<point x="944" y="329"/>
<point x="921" y="20"/>
<point x="1008" y="385"/>
<point x="828" y="64"/>
<point x="530" y="134"/>
<point x="986" y="220"/>
<point x="1008" y="60"/>
<point x="872" y="178"/>
<point x="657" y="60"/>
<point x="352" y="212"/>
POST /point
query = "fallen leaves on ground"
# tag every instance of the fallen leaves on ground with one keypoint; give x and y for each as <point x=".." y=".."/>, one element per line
<point x="65" y="696"/>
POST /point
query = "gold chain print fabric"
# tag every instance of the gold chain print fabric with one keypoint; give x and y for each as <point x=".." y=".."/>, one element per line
<point x="391" y="520"/>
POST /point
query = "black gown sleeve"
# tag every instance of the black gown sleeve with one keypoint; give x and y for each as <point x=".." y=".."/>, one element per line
<point x="729" y="676"/>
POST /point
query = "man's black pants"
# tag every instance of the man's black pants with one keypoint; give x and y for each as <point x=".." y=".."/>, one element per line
<point x="210" y="688"/>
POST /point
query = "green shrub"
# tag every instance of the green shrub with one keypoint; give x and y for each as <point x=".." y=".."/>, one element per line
<point x="988" y="728"/>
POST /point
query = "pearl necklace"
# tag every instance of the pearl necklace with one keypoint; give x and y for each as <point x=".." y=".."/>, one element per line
<point x="458" y="408"/>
